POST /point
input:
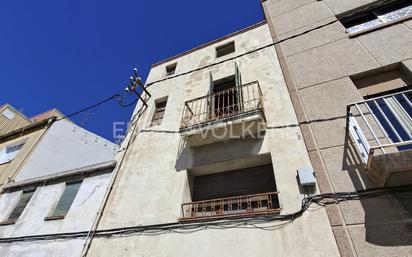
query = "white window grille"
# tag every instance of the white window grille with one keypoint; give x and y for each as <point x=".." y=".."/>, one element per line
<point x="8" y="153"/>
<point x="379" y="16"/>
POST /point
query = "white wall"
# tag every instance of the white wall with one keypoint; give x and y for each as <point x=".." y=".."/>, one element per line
<point x="79" y="218"/>
<point x="66" y="248"/>
<point x="66" y="146"/>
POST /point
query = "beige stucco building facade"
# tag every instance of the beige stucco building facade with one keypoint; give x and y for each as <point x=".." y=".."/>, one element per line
<point x="16" y="129"/>
<point x="237" y="135"/>
<point x="331" y="58"/>
<point x="164" y="158"/>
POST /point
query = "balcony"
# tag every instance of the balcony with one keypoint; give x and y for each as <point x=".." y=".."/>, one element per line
<point x="381" y="129"/>
<point x="233" y="112"/>
<point x="248" y="205"/>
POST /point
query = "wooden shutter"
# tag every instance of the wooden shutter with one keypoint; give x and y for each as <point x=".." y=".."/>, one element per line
<point x="211" y="99"/>
<point x="67" y="198"/>
<point x="238" y="79"/>
<point x="159" y="113"/>
<point x="234" y="183"/>
<point x="21" y="205"/>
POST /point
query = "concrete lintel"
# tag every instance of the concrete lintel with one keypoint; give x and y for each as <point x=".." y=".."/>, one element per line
<point x="70" y="173"/>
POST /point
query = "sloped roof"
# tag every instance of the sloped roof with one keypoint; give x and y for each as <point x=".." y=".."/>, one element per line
<point x="18" y="120"/>
<point x="46" y="115"/>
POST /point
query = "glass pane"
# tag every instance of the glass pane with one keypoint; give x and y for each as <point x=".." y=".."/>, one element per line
<point x="383" y="122"/>
<point x="397" y="14"/>
<point x="363" y="26"/>
<point x="407" y="107"/>
<point x="403" y="101"/>
<point x="393" y="120"/>
<point x="66" y="199"/>
<point x="21" y="205"/>
<point x="14" y="148"/>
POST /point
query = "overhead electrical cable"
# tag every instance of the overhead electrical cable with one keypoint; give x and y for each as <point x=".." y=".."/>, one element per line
<point x="257" y="222"/>
<point x="120" y="98"/>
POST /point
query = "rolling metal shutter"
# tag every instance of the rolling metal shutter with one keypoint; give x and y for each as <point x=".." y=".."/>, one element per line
<point x="234" y="183"/>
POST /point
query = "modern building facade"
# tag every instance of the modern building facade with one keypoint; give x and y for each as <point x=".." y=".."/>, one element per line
<point x="348" y="69"/>
<point x="213" y="161"/>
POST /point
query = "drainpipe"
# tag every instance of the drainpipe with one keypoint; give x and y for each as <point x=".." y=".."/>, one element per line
<point x="92" y="231"/>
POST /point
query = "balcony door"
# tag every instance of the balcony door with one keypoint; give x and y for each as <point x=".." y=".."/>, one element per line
<point x="226" y="96"/>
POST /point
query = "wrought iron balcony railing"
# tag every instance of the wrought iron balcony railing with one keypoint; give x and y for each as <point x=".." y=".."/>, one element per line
<point x="381" y="123"/>
<point x="248" y="205"/>
<point x="224" y="105"/>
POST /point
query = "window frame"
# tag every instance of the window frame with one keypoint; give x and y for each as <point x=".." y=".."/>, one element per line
<point x="387" y="91"/>
<point x="155" y="121"/>
<point x="224" y="47"/>
<point x="172" y="66"/>
<point x="52" y="215"/>
<point x="8" y="114"/>
<point x="379" y="14"/>
<point x="10" y="221"/>
<point x="8" y="154"/>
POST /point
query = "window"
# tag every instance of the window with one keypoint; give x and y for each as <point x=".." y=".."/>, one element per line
<point x="21" y="205"/>
<point x="381" y="81"/>
<point x="225" y="49"/>
<point x="234" y="183"/>
<point x="249" y="191"/>
<point x="381" y="15"/>
<point x="225" y="97"/>
<point x="395" y="115"/>
<point x="159" y="112"/>
<point x="171" y="69"/>
<point x="8" y="114"/>
<point x="10" y="152"/>
<point x="66" y="200"/>
<point x="388" y="96"/>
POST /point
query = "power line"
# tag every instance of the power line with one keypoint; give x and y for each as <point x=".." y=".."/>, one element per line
<point x="258" y="222"/>
<point x="349" y="15"/>
<point x="137" y="80"/>
<point x="332" y="198"/>
<point x="120" y="97"/>
<point x="243" y="54"/>
<point x="90" y="107"/>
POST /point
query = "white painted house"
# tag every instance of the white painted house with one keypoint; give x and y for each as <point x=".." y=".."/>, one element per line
<point x="53" y="178"/>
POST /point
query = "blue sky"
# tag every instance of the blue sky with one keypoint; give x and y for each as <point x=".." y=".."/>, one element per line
<point x="70" y="54"/>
